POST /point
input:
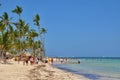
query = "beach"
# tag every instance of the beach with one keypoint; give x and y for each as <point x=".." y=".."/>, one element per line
<point x="41" y="71"/>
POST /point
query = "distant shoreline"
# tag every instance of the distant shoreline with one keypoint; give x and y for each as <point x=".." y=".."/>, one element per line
<point x="89" y="57"/>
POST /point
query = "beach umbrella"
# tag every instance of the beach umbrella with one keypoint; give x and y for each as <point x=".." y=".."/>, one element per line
<point x="27" y="54"/>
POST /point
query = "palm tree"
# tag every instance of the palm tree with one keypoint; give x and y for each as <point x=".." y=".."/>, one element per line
<point x="25" y="31"/>
<point x="16" y="40"/>
<point x="18" y="10"/>
<point x="11" y="35"/>
<point x="37" y="23"/>
<point x="43" y="31"/>
<point x="5" y="43"/>
<point x="33" y="34"/>
<point x="5" y="20"/>
<point x="4" y="26"/>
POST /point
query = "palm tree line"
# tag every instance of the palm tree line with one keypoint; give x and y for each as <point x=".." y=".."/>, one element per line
<point x="16" y="37"/>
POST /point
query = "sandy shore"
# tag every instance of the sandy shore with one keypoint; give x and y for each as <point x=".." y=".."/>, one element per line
<point x="15" y="71"/>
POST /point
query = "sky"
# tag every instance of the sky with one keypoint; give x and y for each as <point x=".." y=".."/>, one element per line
<point x="79" y="28"/>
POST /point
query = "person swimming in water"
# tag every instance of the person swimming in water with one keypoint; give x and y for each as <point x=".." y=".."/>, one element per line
<point x="78" y="62"/>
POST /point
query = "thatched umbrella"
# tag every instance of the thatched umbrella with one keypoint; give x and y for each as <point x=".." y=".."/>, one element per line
<point x="27" y="54"/>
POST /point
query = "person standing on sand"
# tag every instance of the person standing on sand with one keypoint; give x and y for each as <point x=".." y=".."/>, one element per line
<point x="61" y="60"/>
<point x="36" y="60"/>
<point x="26" y="59"/>
<point x="32" y="60"/>
<point x="51" y="60"/>
<point x="48" y="60"/>
<point x="66" y="59"/>
<point x="18" y="59"/>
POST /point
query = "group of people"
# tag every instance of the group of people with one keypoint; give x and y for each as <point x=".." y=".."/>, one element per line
<point x="67" y="60"/>
<point x="27" y="59"/>
<point x="50" y="60"/>
<point x="33" y="60"/>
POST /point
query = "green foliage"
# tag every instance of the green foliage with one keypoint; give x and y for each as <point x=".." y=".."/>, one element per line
<point x="17" y="35"/>
<point x="36" y="20"/>
<point x="18" y="10"/>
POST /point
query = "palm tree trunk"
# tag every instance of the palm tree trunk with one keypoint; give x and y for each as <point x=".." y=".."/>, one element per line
<point x="19" y="35"/>
<point x="40" y="38"/>
<point x="44" y="49"/>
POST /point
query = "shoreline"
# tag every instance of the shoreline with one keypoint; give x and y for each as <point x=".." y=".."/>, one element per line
<point x="57" y="64"/>
<point x="86" y="75"/>
<point x="41" y="71"/>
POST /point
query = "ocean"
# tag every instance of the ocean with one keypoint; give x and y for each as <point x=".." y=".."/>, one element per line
<point x="94" y="68"/>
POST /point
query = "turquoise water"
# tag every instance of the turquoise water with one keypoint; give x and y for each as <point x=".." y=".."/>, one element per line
<point x="95" y="68"/>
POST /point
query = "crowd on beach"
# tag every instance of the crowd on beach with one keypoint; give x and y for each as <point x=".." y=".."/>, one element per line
<point x="26" y="59"/>
<point x="65" y="60"/>
<point x="31" y="59"/>
<point x="34" y="60"/>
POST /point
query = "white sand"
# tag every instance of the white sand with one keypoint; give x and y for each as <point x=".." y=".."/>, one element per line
<point x="41" y="71"/>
